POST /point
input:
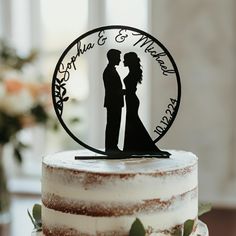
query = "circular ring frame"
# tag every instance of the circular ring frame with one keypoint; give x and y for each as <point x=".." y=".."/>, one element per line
<point x="118" y="27"/>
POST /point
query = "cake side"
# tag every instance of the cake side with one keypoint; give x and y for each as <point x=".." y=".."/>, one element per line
<point x="103" y="197"/>
<point x="201" y="230"/>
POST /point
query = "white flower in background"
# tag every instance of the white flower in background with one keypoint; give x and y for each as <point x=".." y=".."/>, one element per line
<point x="17" y="103"/>
<point x="20" y="96"/>
<point x="15" y="97"/>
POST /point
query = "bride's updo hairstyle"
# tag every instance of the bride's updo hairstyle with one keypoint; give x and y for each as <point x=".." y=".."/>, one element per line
<point x="133" y="62"/>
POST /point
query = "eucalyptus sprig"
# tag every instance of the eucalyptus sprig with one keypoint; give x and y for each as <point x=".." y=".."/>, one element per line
<point x="36" y="217"/>
<point x="137" y="228"/>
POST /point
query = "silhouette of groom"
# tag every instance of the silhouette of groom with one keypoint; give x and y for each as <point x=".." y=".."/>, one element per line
<point x="114" y="100"/>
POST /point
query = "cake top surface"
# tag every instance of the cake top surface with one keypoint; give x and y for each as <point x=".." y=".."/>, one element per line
<point x="66" y="160"/>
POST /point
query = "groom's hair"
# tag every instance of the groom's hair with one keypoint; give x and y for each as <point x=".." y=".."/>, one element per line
<point x="113" y="53"/>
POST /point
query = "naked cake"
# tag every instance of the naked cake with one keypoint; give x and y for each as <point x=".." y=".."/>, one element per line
<point x="104" y="197"/>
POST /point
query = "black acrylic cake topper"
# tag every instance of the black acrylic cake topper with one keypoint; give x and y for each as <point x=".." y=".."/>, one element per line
<point x="117" y="98"/>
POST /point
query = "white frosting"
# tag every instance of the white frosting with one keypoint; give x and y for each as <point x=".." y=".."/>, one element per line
<point x="147" y="178"/>
<point x="143" y="187"/>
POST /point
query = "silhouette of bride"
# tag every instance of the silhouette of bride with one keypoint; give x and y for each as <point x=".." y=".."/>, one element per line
<point x="137" y="139"/>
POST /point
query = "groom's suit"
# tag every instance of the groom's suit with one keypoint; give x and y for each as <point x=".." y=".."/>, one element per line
<point x="114" y="102"/>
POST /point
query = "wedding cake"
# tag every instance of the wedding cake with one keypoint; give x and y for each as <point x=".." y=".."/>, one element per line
<point x="104" y="197"/>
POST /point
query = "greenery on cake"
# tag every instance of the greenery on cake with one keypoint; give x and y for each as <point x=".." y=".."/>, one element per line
<point x="137" y="228"/>
<point x="36" y="217"/>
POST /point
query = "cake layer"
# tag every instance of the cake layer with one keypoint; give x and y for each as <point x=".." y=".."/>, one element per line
<point x="156" y="221"/>
<point x="115" y="208"/>
<point x="85" y="179"/>
<point x="201" y="230"/>
<point x="97" y="197"/>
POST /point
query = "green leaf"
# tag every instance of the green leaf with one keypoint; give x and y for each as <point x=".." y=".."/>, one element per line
<point x="31" y="218"/>
<point x="204" y="208"/>
<point x="137" y="229"/>
<point x="188" y="227"/>
<point x="37" y="213"/>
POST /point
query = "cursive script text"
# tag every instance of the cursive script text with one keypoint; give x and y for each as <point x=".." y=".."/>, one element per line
<point x="80" y="50"/>
<point x="148" y="43"/>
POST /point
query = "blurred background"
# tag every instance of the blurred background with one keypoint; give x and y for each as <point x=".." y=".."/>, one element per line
<point x="201" y="37"/>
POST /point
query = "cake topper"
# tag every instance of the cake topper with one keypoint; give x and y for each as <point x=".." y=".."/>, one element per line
<point x="119" y="59"/>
